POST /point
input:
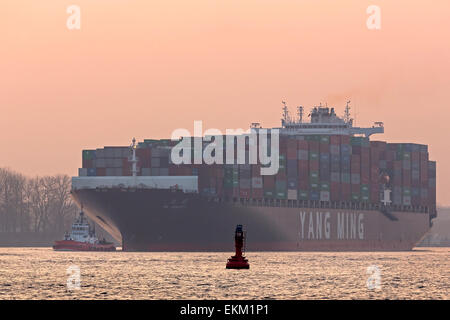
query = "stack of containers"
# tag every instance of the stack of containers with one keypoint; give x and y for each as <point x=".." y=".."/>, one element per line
<point x="355" y="175"/>
<point x="415" y="174"/>
<point x="324" y="168"/>
<point x="432" y="183"/>
<point x="303" y="169"/>
<point x="335" y="168"/>
<point x="281" y="178"/>
<point x="257" y="182"/>
<point x="292" y="172"/>
<point x="228" y="180"/>
<point x="143" y="155"/>
<point x="397" y="191"/>
<point x="377" y="155"/>
<point x="269" y="186"/>
<point x="365" y="169"/>
<point x="423" y="175"/>
<point x="245" y="180"/>
<point x="88" y="158"/>
<point x="314" y="148"/>
<point x="346" y="153"/>
<point x="405" y="156"/>
<point x="112" y="159"/>
<point x="160" y="161"/>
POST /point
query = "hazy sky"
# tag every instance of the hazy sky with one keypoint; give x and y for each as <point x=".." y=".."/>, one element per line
<point x="145" y="68"/>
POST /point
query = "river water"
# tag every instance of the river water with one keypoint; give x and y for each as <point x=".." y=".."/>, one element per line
<point x="41" y="273"/>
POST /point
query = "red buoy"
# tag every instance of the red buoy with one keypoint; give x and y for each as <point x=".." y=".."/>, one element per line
<point x="238" y="261"/>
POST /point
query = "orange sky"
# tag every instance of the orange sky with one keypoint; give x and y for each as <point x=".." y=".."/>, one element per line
<point x="144" y="68"/>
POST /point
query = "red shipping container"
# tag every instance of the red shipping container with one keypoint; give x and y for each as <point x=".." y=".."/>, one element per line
<point x="314" y="145"/>
<point x="335" y="139"/>
<point x="101" y="172"/>
<point x="424" y="172"/>
<point x="244" y="193"/>
<point x="374" y="174"/>
<point x="292" y="153"/>
<point x="144" y="157"/>
<point x="406" y="181"/>
<point x="257" y="193"/>
<point x="303" y="184"/>
<point x="365" y="178"/>
<point x="324" y="148"/>
<point x="345" y="191"/>
<point x="355" y="164"/>
<point x="302" y="144"/>
<point x="268" y="182"/>
<point x="335" y="191"/>
<point x="390" y="155"/>
<point x="356" y="150"/>
<point x="88" y="163"/>
<point x="345" y="139"/>
<point x="374" y="196"/>
<point x="356" y="188"/>
<point x="314" y="165"/>
<point x="291" y="144"/>
<point x="304" y="165"/>
<point x="256" y="170"/>
<point x="374" y="155"/>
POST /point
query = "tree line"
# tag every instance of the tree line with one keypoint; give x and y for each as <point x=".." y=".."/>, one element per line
<point x="40" y="204"/>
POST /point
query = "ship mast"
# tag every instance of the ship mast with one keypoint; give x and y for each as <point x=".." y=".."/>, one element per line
<point x="133" y="159"/>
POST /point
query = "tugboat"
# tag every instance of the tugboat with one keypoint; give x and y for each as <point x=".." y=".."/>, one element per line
<point x="238" y="261"/>
<point x="82" y="238"/>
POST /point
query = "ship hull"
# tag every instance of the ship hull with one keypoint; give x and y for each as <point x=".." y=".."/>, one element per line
<point x="167" y="220"/>
<point x="70" y="245"/>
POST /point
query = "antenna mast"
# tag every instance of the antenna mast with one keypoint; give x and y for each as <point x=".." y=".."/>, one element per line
<point x="347" y="112"/>
<point x="300" y="114"/>
<point x="285" y="119"/>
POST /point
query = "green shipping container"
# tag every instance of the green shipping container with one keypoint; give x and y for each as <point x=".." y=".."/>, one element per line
<point x="303" y="194"/>
<point x="359" y="141"/>
<point x="88" y="154"/>
<point x="355" y="196"/>
<point x="313" y="155"/>
<point x="314" y="186"/>
<point x="365" y="189"/>
<point x="281" y="195"/>
<point x="314" y="176"/>
<point x="268" y="194"/>
<point x="407" y="192"/>
<point x="324" y="186"/>
<point x="313" y="137"/>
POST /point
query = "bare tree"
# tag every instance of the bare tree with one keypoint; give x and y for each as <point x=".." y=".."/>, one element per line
<point x="40" y="204"/>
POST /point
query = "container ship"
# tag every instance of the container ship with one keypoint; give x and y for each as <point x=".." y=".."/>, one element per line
<point x="336" y="189"/>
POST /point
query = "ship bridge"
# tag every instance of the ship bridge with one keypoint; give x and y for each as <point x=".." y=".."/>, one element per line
<point x="323" y="121"/>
